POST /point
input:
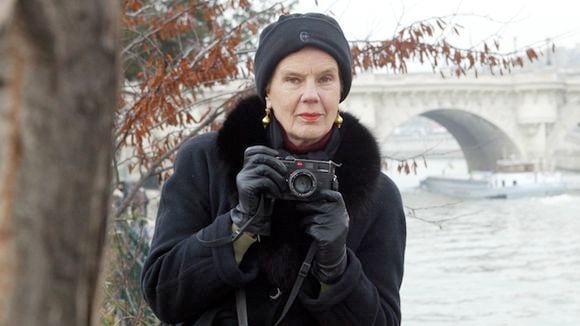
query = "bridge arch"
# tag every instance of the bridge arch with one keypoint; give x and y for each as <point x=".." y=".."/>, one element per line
<point x="527" y="116"/>
<point x="481" y="142"/>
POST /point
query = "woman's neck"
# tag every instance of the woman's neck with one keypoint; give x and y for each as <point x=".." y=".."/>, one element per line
<point x="295" y="149"/>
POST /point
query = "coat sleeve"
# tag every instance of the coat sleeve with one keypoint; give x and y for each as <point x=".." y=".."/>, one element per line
<point x="181" y="277"/>
<point x="368" y="292"/>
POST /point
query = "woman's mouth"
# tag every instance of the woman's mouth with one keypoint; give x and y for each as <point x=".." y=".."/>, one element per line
<point x="310" y="117"/>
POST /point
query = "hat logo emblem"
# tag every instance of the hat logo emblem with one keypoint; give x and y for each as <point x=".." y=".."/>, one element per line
<point x="304" y="36"/>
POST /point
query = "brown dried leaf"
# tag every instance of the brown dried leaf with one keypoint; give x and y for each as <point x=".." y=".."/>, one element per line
<point x="532" y="55"/>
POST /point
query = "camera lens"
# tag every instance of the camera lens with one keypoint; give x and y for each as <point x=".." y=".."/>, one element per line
<point x="302" y="183"/>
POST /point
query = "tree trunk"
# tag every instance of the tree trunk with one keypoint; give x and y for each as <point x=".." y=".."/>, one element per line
<point x="58" y="92"/>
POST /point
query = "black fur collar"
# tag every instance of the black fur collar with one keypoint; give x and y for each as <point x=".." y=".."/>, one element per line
<point x="358" y="152"/>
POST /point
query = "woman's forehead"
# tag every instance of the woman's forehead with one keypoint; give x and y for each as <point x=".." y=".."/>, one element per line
<point x="307" y="60"/>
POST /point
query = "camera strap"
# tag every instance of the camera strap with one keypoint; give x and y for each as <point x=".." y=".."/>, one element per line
<point x="236" y="234"/>
<point x="224" y="240"/>
<point x="302" y="273"/>
<point x="241" y="307"/>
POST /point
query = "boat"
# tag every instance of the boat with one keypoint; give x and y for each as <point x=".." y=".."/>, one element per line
<point x="511" y="179"/>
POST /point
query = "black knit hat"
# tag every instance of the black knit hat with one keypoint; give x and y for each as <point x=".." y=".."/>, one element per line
<point x="293" y="32"/>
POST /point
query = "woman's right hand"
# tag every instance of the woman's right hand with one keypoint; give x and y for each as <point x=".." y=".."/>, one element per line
<point x="263" y="177"/>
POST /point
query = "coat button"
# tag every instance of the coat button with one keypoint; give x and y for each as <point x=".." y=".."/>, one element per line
<point x="275" y="294"/>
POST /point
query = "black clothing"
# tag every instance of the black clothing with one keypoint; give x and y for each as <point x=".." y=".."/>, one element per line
<point x="182" y="279"/>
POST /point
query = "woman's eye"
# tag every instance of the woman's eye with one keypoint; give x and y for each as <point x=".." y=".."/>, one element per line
<point x="326" y="79"/>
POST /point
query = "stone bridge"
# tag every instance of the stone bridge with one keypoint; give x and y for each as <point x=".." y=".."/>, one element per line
<point x="526" y="115"/>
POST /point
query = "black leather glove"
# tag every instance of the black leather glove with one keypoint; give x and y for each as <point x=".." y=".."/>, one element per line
<point x="261" y="179"/>
<point x="326" y="221"/>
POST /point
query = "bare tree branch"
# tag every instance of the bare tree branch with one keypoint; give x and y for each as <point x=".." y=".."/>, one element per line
<point x="215" y="113"/>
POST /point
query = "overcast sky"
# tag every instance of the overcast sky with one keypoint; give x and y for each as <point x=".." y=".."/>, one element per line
<point x="518" y="22"/>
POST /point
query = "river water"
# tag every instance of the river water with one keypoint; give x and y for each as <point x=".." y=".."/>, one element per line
<point x="489" y="262"/>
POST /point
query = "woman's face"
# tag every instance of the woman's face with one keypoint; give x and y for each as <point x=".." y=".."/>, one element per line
<point x="304" y="93"/>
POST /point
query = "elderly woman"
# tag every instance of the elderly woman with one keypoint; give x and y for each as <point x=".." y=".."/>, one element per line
<point x="283" y="216"/>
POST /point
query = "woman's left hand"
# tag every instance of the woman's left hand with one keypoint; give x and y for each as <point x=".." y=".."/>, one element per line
<point x="326" y="221"/>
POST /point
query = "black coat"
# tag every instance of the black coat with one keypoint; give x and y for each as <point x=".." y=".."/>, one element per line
<point x="182" y="278"/>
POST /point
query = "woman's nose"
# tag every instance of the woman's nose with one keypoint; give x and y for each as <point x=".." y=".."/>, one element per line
<point x="310" y="94"/>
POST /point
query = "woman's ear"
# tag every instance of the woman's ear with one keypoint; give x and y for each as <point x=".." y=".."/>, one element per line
<point x="267" y="97"/>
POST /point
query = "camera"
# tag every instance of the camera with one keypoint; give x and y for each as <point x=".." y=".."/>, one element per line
<point x="306" y="177"/>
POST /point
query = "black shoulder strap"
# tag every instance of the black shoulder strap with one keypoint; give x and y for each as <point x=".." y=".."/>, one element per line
<point x="299" y="280"/>
<point x="241" y="308"/>
<point x="241" y="293"/>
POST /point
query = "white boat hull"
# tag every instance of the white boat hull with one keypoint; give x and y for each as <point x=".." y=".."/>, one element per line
<point x="470" y="188"/>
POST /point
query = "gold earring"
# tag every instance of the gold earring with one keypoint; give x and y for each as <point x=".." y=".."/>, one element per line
<point x="266" y="118"/>
<point x="339" y="120"/>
